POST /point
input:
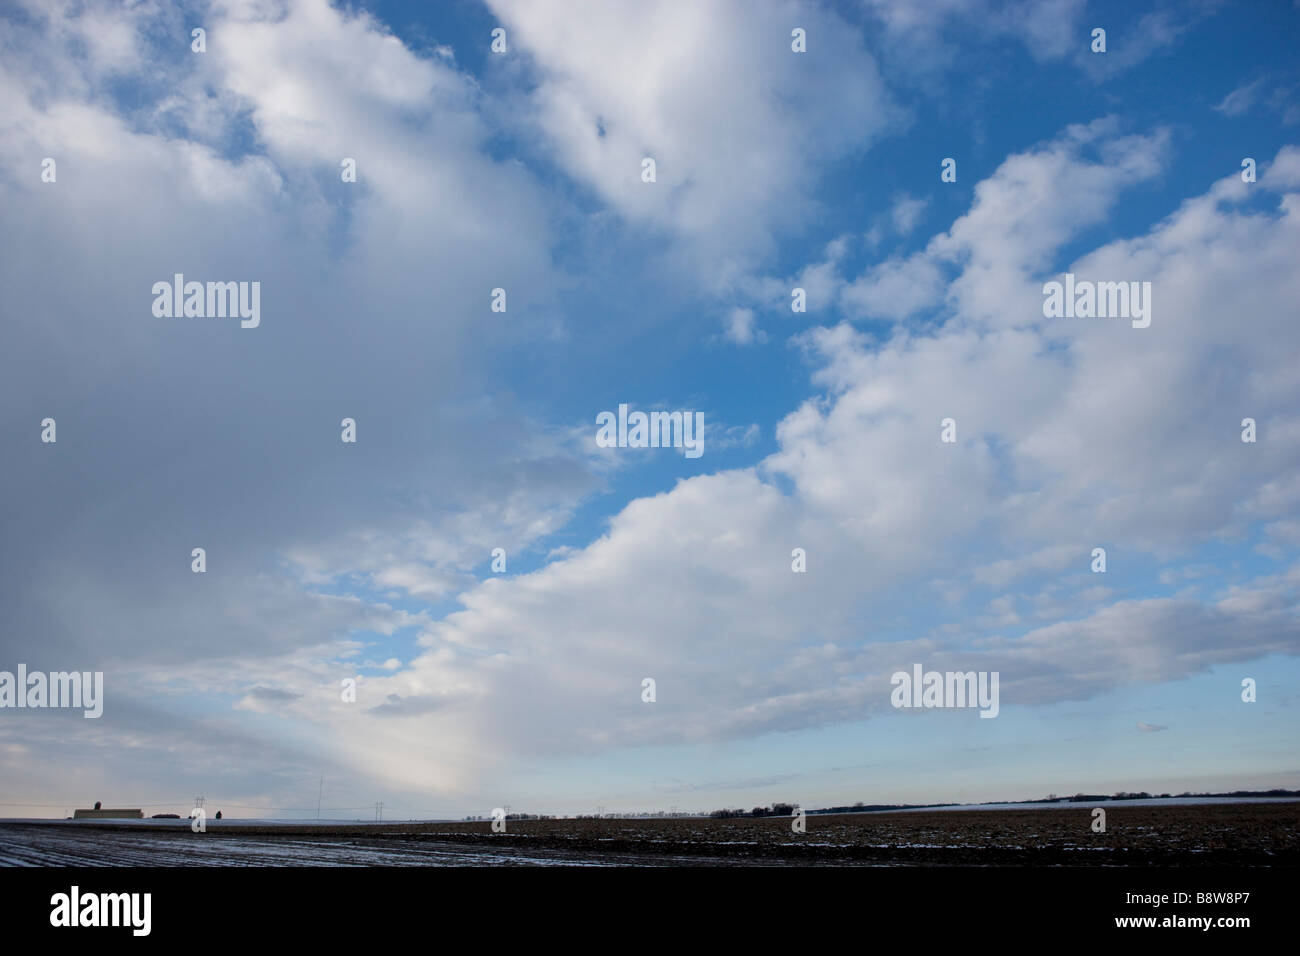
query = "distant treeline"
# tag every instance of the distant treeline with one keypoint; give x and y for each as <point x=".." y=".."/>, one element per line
<point x="1123" y="795"/>
<point x="1053" y="798"/>
<point x="775" y="810"/>
<point x="787" y="809"/>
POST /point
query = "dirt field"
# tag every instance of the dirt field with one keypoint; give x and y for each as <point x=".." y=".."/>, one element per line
<point x="1265" y="834"/>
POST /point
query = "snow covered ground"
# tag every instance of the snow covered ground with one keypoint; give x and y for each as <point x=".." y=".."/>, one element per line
<point x="73" y="845"/>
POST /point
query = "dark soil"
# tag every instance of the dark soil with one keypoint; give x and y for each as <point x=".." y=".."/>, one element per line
<point x="1263" y="834"/>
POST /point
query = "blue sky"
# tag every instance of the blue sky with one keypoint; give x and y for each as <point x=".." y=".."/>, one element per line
<point x="476" y="430"/>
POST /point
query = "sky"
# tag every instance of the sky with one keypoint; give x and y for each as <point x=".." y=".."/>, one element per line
<point x="523" y="170"/>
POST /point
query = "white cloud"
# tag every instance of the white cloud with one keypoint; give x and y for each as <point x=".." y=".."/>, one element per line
<point x="895" y="289"/>
<point x="373" y="295"/>
<point x="921" y="38"/>
<point x="713" y="93"/>
<point x="740" y="327"/>
<point x="692" y="586"/>
<point x="1041" y="469"/>
<point x="906" y="212"/>
<point x="1240" y="100"/>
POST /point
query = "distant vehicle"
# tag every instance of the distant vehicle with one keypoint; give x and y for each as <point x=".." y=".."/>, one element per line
<point x="166" y="816"/>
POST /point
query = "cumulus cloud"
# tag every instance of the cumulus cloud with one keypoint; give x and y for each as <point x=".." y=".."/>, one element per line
<point x="179" y="434"/>
<point x="736" y="123"/>
<point x="184" y="433"/>
<point x="1040" y="473"/>
<point x="895" y="289"/>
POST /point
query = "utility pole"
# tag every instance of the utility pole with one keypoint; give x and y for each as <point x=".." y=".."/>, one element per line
<point x="198" y="802"/>
<point x="379" y="809"/>
<point x="318" y="793"/>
